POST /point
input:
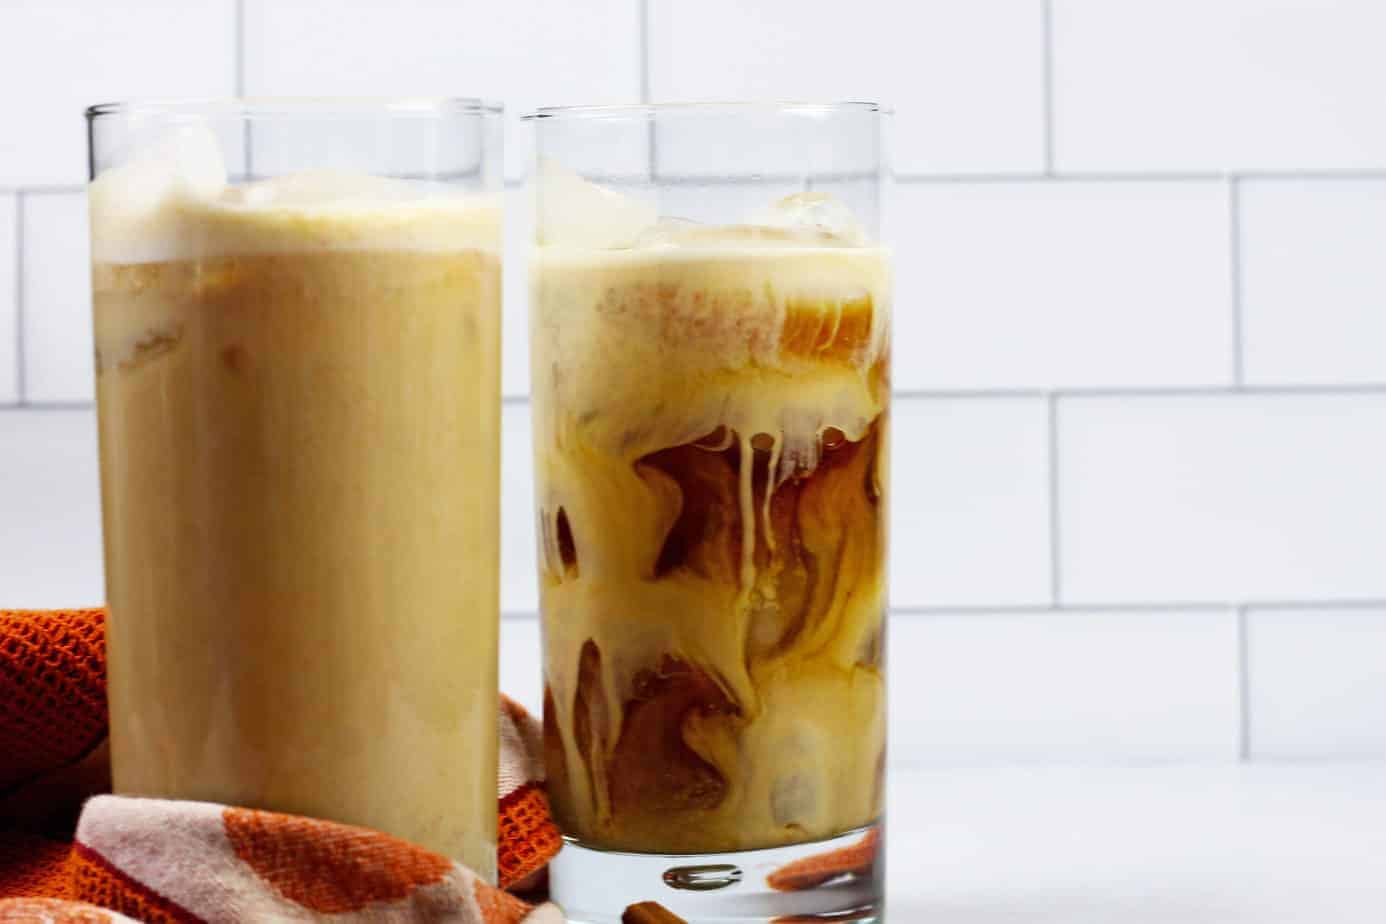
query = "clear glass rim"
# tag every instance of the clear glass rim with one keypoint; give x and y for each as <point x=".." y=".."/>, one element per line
<point x="707" y="107"/>
<point x="302" y="106"/>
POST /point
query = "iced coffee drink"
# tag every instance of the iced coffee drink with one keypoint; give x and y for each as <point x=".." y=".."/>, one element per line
<point x="298" y="393"/>
<point x="711" y="432"/>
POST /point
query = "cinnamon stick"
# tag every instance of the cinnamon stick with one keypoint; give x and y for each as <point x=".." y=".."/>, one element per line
<point x="650" y="913"/>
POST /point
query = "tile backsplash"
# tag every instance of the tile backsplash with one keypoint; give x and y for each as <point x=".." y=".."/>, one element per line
<point x="1140" y="424"/>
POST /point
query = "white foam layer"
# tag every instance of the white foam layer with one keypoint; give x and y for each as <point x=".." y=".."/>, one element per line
<point x="173" y="202"/>
<point x="577" y="214"/>
<point x="804" y="260"/>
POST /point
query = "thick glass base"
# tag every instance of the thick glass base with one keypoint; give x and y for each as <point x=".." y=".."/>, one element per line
<point x="840" y="879"/>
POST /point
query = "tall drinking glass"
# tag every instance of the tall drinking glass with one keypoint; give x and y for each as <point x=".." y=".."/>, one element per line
<point x="710" y="343"/>
<point x="296" y="308"/>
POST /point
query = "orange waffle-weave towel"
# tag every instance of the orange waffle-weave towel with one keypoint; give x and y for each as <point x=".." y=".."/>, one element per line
<point x="52" y="755"/>
<point x="52" y="691"/>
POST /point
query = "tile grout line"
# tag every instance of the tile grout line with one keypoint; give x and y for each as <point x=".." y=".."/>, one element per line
<point x="1041" y="609"/>
<point x="1234" y="221"/>
<point x="1141" y="176"/>
<point x="47" y="406"/>
<point x="1047" y="81"/>
<point x="1343" y="389"/>
<point x="44" y="189"/>
<point x="20" y="372"/>
<point x="1052" y="436"/>
<point x="643" y="12"/>
<point x="239" y="76"/>
<point x="1243" y="685"/>
<point x="1106" y="393"/>
<point x="238" y="73"/>
<point x="520" y="398"/>
<point x="650" y="139"/>
<point x="943" y="179"/>
<point x="1088" y="606"/>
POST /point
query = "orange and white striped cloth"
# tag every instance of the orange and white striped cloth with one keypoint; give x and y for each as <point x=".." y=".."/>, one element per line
<point x="159" y="861"/>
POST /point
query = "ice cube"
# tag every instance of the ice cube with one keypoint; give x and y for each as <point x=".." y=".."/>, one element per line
<point x="666" y="231"/>
<point x="132" y="206"/>
<point x="187" y="162"/>
<point x="680" y="232"/>
<point x="794" y="799"/>
<point x="574" y="212"/>
<point x="328" y="187"/>
<point x="812" y="216"/>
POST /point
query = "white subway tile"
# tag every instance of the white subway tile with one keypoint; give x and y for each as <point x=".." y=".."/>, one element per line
<point x="65" y="55"/>
<point x="58" y="363"/>
<point x="965" y="75"/>
<point x="521" y="666"/>
<point x="970" y="507"/>
<point x="525" y="52"/>
<point x="1063" y="687"/>
<point x="1193" y="85"/>
<point x="1222" y="497"/>
<point x="50" y="545"/>
<point x="519" y="542"/>
<point x="1318" y="683"/>
<point x="1059" y="285"/>
<point x="9" y="270"/>
<point x="1313" y="281"/>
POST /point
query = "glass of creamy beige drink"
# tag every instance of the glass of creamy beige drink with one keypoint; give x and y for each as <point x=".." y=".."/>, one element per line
<point x="710" y="355"/>
<point x="297" y="313"/>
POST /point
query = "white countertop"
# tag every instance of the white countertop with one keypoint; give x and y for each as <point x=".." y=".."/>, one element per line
<point x="1302" y="843"/>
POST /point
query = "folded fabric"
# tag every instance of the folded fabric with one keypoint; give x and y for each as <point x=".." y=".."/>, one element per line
<point x="157" y="860"/>
<point x="52" y="697"/>
<point x="56" y="911"/>
<point x="162" y="862"/>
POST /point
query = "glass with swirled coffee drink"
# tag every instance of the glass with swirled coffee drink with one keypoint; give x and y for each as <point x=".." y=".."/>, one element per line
<point x="710" y="356"/>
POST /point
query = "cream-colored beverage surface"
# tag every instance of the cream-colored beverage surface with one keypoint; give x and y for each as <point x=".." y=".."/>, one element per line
<point x="298" y="403"/>
<point x="711" y="427"/>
